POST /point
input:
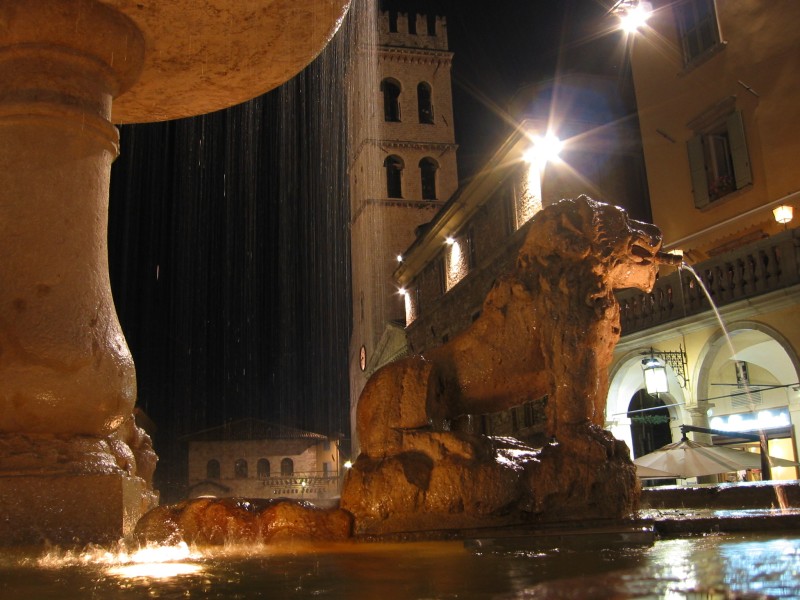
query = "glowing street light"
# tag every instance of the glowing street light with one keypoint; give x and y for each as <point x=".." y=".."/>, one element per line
<point x="655" y="376"/>
<point x="633" y="15"/>
<point x="783" y="214"/>
<point x="545" y="149"/>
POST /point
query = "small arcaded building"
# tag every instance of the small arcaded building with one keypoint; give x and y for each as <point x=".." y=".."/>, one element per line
<point x="257" y="459"/>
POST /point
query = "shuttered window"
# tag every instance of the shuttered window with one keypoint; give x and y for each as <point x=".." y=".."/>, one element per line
<point x="719" y="160"/>
<point x="697" y="28"/>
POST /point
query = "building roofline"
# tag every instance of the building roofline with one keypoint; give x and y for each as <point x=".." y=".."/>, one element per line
<point x="229" y="430"/>
<point x="462" y="205"/>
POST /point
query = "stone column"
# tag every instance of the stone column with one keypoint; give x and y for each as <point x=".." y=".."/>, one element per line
<point x="67" y="380"/>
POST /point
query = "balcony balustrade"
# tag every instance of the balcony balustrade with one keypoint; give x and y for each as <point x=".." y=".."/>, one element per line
<point x="765" y="266"/>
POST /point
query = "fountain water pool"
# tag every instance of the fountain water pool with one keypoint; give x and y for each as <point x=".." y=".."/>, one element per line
<point x="709" y="567"/>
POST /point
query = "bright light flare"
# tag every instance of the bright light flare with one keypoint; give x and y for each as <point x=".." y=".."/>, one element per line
<point x="154" y="570"/>
<point x="545" y="149"/>
<point x="156" y="562"/>
<point x="633" y="18"/>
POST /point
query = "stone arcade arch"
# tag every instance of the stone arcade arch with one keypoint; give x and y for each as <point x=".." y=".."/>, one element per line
<point x="650" y="423"/>
<point x="749" y="384"/>
<point x="625" y="382"/>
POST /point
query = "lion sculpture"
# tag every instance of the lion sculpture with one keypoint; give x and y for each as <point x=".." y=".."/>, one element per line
<point x="548" y="328"/>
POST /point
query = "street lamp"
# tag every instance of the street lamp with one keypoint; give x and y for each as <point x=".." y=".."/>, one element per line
<point x="783" y="214"/>
<point x="632" y="14"/>
<point x="545" y="149"/>
<point x="655" y="370"/>
<point x="655" y="376"/>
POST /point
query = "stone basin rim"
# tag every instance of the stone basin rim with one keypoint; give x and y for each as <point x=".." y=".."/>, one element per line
<point x="203" y="56"/>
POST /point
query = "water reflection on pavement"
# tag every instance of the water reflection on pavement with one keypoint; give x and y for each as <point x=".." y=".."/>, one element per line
<point x="710" y="567"/>
<point x="713" y="567"/>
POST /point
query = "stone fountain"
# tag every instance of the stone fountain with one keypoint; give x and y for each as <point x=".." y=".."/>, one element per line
<point x="73" y="464"/>
<point x="547" y="329"/>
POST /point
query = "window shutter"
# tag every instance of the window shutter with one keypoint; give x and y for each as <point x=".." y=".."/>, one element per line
<point x="739" y="154"/>
<point x="697" y="165"/>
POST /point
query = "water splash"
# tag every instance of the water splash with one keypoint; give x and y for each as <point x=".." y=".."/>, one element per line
<point x="117" y="554"/>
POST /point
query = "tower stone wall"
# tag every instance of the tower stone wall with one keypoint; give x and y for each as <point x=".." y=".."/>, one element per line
<point x="411" y="133"/>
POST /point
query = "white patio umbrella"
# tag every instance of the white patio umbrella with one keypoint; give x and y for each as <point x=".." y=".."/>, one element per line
<point x="650" y="473"/>
<point x="687" y="458"/>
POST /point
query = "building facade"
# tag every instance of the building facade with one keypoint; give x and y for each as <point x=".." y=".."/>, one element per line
<point x="717" y="127"/>
<point x="717" y="97"/>
<point x="402" y="167"/>
<point x="254" y="459"/>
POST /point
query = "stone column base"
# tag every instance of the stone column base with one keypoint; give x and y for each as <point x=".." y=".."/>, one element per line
<point x="71" y="509"/>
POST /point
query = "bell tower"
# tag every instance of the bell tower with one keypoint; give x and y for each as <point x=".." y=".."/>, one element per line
<point x="402" y="169"/>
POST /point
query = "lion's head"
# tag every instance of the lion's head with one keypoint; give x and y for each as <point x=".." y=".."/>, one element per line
<point x="618" y="251"/>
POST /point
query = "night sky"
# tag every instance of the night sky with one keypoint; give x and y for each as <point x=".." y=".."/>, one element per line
<point x="228" y="233"/>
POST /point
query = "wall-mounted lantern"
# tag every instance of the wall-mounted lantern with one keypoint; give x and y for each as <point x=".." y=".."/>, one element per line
<point x="655" y="376"/>
<point x="783" y="214"/>
<point x="654" y="367"/>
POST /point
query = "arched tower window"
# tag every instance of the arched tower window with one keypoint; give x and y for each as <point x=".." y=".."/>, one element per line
<point x="240" y="469"/>
<point x="391" y="100"/>
<point x="392" y="21"/>
<point x="212" y="469"/>
<point x="394" y="170"/>
<point x="424" y="103"/>
<point x="287" y="467"/>
<point x="427" y="169"/>
<point x="262" y="468"/>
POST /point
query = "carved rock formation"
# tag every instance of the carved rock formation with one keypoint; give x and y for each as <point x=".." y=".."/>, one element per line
<point x="549" y="328"/>
<point x="215" y="521"/>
